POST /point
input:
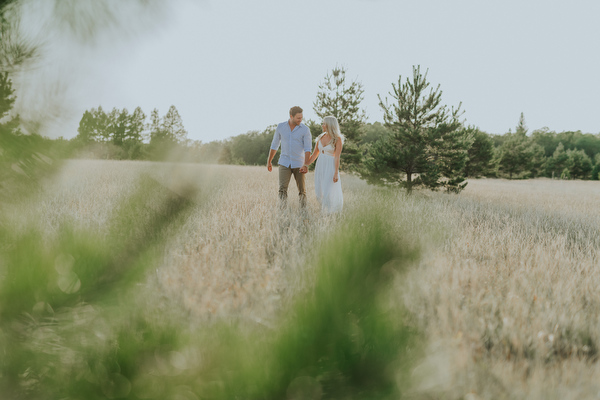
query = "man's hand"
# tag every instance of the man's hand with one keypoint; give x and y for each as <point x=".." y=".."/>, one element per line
<point x="303" y="169"/>
<point x="269" y="167"/>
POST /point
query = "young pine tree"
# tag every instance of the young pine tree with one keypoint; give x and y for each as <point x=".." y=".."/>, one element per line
<point x="426" y="146"/>
<point x="6" y="95"/>
<point x="340" y="98"/>
<point x="518" y="156"/>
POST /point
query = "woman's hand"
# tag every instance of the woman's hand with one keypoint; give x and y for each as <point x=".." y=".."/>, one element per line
<point x="335" y="177"/>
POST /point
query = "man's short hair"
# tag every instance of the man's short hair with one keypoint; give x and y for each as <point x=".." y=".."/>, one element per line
<point x="295" y="110"/>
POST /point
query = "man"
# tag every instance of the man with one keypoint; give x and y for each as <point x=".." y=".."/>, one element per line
<point x="296" y="144"/>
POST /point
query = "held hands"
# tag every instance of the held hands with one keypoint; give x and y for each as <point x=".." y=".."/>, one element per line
<point x="304" y="169"/>
<point x="335" y="177"/>
<point x="269" y="167"/>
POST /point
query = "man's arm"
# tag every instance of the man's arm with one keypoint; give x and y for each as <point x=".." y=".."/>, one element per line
<point x="307" y="142"/>
<point x="304" y="168"/>
<point x="274" y="146"/>
<point x="271" y="155"/>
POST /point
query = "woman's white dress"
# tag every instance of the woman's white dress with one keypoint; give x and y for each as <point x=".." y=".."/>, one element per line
<point x="329" y="193"/>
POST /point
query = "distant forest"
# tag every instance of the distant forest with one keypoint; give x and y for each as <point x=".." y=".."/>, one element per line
<point x="380" y="152"/>
<point x="516" y="155"/>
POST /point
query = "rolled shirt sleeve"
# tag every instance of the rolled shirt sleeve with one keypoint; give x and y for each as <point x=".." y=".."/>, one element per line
<point x="307" y="141"/>
<point x="276" y="139"/>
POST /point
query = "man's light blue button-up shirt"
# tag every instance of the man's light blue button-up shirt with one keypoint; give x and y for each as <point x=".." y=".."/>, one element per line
<point x="293" y="144"/>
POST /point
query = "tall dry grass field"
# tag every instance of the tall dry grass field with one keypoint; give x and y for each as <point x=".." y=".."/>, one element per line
<point x="509" y="300"/>
<point x="504" y="293"/>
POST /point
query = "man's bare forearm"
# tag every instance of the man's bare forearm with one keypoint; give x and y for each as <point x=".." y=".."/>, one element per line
<point x="271" y="155"/>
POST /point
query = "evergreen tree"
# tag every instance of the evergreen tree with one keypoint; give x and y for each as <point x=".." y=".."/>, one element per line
<point x="480" y="154"/>
<point x="133" y="134"/>
<point x="426" y="140"/>
<point x="521" y="127"/>
<point x="558" y="162"/>
<point x="156" y="133"/>
<point x="517" y="155"/>
<point x="136" y="126"/>
<point x="341" y="99"/>
<point x="15" y="48"/>
<point x="102" y="126"/>
<point x="166" y="132"/>
<point x="6" y="95"/>
<point x="24" y="159"/>
<point x="157" y="147"/>
<point x="10" y="126"/>
<point x="538" y="160"/>
<point x="579" y="164"/>
<point x="87" y="127"/>
<point x="513" y="157"/>
<point x="172" y="126"/>
<point x="119" y="120"/>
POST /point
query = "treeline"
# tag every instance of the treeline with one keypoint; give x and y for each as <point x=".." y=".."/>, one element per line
<point x="513" y="155"/>
<point x="420" y="143"/>
<point x="252" y="148"/>
<point x="542" y="153"/>
<point x="119" y="134"/>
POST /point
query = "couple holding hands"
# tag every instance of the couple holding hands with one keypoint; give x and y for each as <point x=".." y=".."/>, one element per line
<point x="296" y="144"/>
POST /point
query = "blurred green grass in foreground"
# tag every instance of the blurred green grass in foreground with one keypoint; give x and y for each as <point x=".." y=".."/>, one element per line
<point x="74" y="324"/>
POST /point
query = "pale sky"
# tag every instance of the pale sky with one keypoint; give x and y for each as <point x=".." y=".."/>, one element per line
<point x="231" y="66"/>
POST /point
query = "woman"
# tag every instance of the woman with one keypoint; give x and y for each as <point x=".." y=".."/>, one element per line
<point x="328" y="148"/>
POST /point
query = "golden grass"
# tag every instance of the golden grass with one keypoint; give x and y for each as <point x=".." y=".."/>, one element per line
<point x="509" y="301"/>
<point x="505" y="291"/>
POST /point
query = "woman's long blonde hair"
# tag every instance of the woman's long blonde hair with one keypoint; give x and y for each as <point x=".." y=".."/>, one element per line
<point x="333" y="128"/>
